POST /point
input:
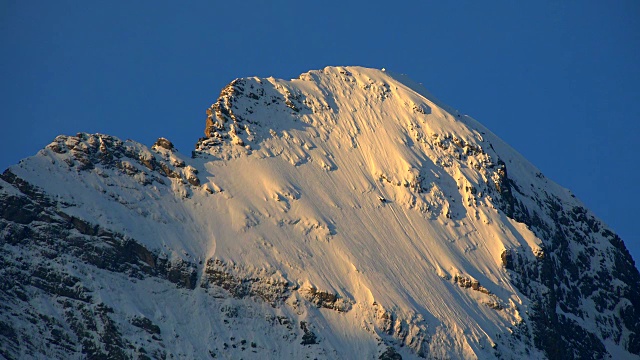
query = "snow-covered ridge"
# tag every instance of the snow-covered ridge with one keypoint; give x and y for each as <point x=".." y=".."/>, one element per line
<point x="347" y="208"/>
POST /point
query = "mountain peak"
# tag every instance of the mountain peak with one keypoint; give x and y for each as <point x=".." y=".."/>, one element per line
<point x="343" y="214"/>
<point x="248" y="106"/>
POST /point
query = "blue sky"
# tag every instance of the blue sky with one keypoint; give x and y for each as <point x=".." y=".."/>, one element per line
<point x="558" y="80"/>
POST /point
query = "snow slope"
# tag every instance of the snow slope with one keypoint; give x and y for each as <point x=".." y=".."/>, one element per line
<point x="343" y="214"/>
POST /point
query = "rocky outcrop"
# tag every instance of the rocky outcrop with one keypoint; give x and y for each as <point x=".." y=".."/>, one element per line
<point x="240" y="285"/>
<point x="308" y="338"/>
<point x="230" y="120"/>
<point x="390" y="354"/>
<point x="324" y="299"/>
<point x="86" y="152"/>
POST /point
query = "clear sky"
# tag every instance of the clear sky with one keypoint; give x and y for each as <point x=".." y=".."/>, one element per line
<point x="558" y="80"/>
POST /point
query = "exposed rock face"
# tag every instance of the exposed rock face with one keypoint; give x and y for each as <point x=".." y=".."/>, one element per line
<point x="164" y="143"/>
<point x="339" y="215"/>
<point x="570" y="275"/>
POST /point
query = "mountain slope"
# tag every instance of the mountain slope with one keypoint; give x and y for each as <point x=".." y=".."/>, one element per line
<point x="343" y="214"/>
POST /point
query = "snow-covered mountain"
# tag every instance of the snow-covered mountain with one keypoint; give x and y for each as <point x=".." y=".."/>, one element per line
<point x="346" y="214"/>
